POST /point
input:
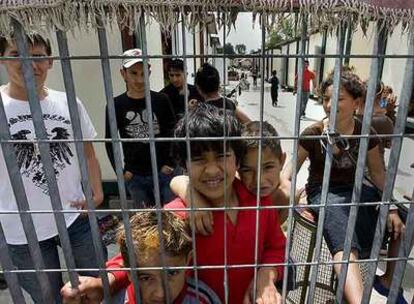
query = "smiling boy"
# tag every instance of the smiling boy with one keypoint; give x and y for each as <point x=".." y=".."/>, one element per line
<point x="212" y="168"/>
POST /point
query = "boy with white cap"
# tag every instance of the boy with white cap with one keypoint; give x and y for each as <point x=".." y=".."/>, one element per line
<point x="132" y="120"/>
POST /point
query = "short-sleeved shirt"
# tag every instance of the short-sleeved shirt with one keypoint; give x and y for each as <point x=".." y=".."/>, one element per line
<point x="177" y="99"/>
<point x="382" y="125"/>
<point x="343" y="164"/>
<point x="65" y="163"/>
<point x="228" y="104"/>
<point x="307" y="77"/>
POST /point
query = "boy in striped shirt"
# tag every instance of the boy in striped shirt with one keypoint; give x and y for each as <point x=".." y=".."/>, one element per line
<point x="147" y="246"/>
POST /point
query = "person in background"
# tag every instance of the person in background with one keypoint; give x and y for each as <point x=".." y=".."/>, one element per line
<point x="274" y="81"/>
<point x="175" y="90"/>
<point x="207" y="81"/>
<point x="308" y="77"/>
<point x="132" y="117"/>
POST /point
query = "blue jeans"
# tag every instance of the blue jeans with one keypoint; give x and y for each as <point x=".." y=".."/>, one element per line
<point x="83" y="252"/>
<point x="336" y="217"/>
<point x="141" y="188"/>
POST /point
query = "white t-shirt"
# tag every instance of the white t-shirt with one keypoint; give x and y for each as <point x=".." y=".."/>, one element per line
<point x="65" y="162"/>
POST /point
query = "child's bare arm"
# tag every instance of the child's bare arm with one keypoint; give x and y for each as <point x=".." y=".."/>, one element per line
<point x="241" y="116"/>
<point x="90" y="290"/>
<point x="203" y="220"/>
<point x="377" y="172"/>
<point x="287" y="172"/>
<point x="280" y="197"/>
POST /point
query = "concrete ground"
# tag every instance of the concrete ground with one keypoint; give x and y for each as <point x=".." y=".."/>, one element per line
<point x="282" y="117"/>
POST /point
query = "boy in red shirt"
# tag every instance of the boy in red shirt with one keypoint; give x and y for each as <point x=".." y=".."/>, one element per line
<point x="147" y="247"/>
<point x="212" y="170"/>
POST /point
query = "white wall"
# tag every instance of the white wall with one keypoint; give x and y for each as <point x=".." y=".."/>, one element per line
<point x="292" y="63"/>
<point x="362" y="45"/>
<point x="393" y="72"/>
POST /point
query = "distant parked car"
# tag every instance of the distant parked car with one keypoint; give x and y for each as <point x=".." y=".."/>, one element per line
<point x="233" y="76"/>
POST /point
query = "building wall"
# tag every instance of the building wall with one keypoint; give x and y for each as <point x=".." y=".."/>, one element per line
<point x="362" y="44"/>
<point x="393" y="71"/>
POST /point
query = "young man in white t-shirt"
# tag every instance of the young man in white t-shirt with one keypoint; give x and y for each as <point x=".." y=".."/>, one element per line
<point x="65" y="162"/>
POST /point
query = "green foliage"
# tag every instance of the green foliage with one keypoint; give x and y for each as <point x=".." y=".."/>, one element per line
<point x="229" y="49"/>
<point x="241" y="49"/>
<point x="283" y="31"/>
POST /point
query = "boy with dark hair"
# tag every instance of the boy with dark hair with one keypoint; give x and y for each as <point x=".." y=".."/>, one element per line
<point x="213" y="167"/>
<point x="175" y="90"/>
<point x="132" y="119"/>
<point x="274" y="81"/>
<point x="177" y="248"/>
<point x="207" y="81"/>
<point x="271" y="183"/>
<point x="58" y="124"/>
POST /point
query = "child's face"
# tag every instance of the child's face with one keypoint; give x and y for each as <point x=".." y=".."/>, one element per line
<point x="150" y="281"/>
<point x="14" y="67"/>
<point x="208" y="172"/>
<point x="176" y="78"/>
<point x="271" y="167"/>
<point x="347" y="104"/>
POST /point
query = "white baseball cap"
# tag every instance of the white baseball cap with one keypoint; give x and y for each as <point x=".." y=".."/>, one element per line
<point x="129" y="62"/>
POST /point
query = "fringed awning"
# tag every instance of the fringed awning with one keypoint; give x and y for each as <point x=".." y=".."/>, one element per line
<point x="48" y="15"/>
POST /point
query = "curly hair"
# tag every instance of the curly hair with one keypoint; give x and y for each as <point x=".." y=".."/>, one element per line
<point x="145" y="234"/>
<point x="350" y="82"/>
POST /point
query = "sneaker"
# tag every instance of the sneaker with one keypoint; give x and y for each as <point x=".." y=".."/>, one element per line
<point x="384" y="291"/>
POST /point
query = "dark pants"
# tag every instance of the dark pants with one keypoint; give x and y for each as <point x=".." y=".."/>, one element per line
<point x="274" y="95"/>
<point x="83" y="252"/>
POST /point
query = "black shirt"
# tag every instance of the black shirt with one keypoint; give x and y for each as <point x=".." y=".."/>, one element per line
<point x="228" y="103"/>
<point x="132" y="122"/>
<point x="274" y="82"/>
<point x="177" y="99"/>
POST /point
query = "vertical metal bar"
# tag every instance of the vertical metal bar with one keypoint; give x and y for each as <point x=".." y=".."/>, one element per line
<point x="349" y="34"/>
<point x="116" y="146"/>
<point x="80" y="150"/>
<point x="403" y="253"/>
<point x="328" y="160"/>
<point x="362" y="154"/>
<point x="22" y="206"/>
<point x="226" y="280"/>
<point x="259" y="158"/>
<point x="296" y="131"/>
<point x="194" y="53"/>
<point x="153" y="151"/>
<point x="11" y="277"/>
<point x="323" y="52"/>
<point x="389" y="186"/>
<point x="44" y="150"/>
<point x="193" y="233"/>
